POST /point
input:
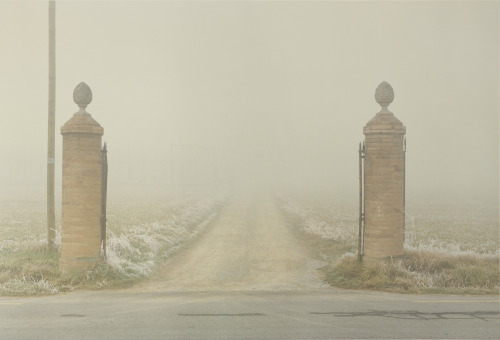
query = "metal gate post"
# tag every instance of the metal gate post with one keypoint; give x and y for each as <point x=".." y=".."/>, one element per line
<point x="104" y="193"/>
<point x="361" y="152"/>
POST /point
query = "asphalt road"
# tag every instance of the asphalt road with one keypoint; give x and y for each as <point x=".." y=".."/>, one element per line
<point x="335" y="314"/>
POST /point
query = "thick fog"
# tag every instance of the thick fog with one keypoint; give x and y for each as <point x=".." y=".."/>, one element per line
<point x="277" y="93"/>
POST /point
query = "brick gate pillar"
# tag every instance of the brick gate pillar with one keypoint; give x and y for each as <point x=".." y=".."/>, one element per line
<point x="384" y="180"/>
<point x="81" y="187"/>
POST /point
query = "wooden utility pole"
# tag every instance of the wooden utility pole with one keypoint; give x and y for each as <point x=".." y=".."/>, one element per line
<point x="51" y="220"/>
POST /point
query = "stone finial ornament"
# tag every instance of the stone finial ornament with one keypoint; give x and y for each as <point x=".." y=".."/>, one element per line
<point x="384" y="95"/>
<point x="82" y="96"/>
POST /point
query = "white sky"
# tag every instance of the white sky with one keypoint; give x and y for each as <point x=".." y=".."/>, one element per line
<point x="287" y="85"/>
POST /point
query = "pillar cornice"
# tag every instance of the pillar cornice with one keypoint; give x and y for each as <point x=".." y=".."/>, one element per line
<point x="82" y="123"/>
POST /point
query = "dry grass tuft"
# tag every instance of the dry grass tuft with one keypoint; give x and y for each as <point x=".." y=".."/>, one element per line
<point x="419" y="271"/>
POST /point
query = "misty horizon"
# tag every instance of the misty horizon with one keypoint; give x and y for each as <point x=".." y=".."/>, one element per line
<point x="197" y="94"/>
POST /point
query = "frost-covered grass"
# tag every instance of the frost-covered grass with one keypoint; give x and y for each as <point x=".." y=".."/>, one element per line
<point x="419" y="271"/>
<point x="22" y="225"/>
<point x="329" y="226"/>
<point x="463" y="235"/>
<point x="462" y="227"/>
<point x="28" y="269"/>
<point x="453" y="226"/>
<point x="332" y="220"/>
<point x="140" y="233"/>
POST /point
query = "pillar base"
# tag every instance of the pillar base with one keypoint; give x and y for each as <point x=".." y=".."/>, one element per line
<point x="376" y="260"/>
<point x="77" y="264"/>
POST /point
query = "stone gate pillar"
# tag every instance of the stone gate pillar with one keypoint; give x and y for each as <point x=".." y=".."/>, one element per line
<point x="81" y="187"/>
<point x="384" y="187"/>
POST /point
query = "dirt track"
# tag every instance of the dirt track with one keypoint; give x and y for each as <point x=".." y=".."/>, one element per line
<point x="248" y="247"/>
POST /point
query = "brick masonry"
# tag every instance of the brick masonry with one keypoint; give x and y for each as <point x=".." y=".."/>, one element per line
<point x="81" y="193"/>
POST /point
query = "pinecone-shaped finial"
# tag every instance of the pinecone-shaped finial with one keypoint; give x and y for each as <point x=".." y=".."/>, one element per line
<point x="82" y="95"/>
<point x="384" y="95"/>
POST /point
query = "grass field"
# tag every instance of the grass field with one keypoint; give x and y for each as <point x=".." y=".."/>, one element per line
<point x="451" y="246"/>
<point x="470" y="226"/>
<point x="139" y="234"/>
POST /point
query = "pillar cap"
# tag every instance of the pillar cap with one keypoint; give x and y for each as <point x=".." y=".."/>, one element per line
<point x="384" y="121"/>
<point x="82" y="123"/>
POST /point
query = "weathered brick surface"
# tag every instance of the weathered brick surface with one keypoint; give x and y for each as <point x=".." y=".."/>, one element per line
<point x="384" y="187"/>
<point x="81" y="193"/>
